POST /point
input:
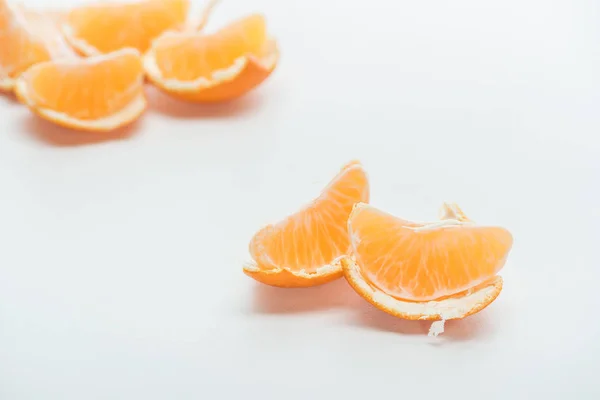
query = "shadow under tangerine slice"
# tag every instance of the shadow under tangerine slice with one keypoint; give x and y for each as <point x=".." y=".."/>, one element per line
<point x="425" y="271"/>
<point x="305" y="249"/>
<point x="217" y="67"/>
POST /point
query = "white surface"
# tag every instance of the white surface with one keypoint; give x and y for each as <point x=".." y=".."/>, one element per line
<point x="120" y="269"/>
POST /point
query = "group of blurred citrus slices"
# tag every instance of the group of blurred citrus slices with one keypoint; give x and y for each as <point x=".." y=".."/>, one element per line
<point x="435" y="271"/>
<point x="85" y="68"/>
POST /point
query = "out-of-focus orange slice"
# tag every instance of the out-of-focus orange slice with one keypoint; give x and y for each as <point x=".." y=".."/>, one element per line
<point x="99" y="93"/>
<point x="27" y="38"/>
<point x="213" y="67"/>
<point x="305" y="248"/>
<point x="427" y="271"/>
<point x="109" y="26"/>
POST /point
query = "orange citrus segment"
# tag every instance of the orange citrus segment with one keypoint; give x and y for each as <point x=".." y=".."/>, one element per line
<point x="425" y="271"/>
<point x="86" y="93"/>
<point x="28" y="37"/>
<point x="105" y="27"/>
<point x="421" y="262"/>
<point x="189" y="56"/>
<point x="216" y="67"/>
<point x="288" y="279"/>
<point x="309" y="243"/>
<point x="20" y="48"/>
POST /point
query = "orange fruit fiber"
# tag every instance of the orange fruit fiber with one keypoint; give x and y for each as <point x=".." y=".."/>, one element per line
<point x="431" y="271"/>
<point x="305" y="248"/>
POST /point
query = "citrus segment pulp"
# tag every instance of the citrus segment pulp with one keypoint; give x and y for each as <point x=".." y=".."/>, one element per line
<point x="421" y="262"/>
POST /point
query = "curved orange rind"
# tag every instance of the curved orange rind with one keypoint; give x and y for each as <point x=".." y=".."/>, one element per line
<point x="441" y="310"/>
<point x="285" y="278"/>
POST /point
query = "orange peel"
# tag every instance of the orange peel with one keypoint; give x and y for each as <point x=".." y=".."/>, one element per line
<point x="285" y="278"/>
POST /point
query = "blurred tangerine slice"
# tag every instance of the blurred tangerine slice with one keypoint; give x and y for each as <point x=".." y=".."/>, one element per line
<point x="214" y="67"/>
<point x="425" y="271"/>
<point x="27" y="38"/>
<point x="98" y="93"/>
<point x="105" y="26"/>
<point x="305" y="248"/>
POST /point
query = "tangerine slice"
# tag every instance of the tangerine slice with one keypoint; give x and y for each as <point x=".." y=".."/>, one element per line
<point x="26" y="38"/>
<point x="213" y="68"/>
<point x="98" y="93"/>
<point x="427" y="271"/>
<point x="305" y="248"/>
<point x="105" y="27"/>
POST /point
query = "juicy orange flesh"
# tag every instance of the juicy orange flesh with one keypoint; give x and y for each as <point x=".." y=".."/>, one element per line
<point x="190" y="56"/>
<point x="90" y="89"/>
<point x="425" y="265"/>
<point x="18" y="48"/>
<point x="110" y="27"/>
<point x="317" y="235"/>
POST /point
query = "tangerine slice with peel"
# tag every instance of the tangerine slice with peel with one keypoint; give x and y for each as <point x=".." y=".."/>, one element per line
<point x="425" y="271"/>
<point x="305" y="249"/>
<point x="105" y="27"/>
<point x="209" y="68"/>
<point x="27" y="38"/>
<point x="98" y="93"/>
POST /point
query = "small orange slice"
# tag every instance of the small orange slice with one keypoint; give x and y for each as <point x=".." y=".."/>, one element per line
<point x="26" y="38"/>
<point x="427" y="271"/>
<point x="213" y="68"/>
<point x="305" y="248"/>
<point x="109" y="26"/>
<point x="99" y="93"/>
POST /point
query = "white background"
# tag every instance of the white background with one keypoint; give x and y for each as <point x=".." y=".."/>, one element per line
<point x="120" y="263"/>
